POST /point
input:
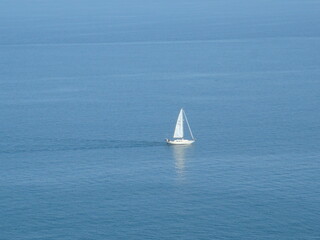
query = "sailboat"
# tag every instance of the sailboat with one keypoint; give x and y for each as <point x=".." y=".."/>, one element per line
<point x="179" y="132"/>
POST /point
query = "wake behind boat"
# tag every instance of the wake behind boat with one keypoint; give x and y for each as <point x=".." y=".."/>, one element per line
<point x="179" y="131"/>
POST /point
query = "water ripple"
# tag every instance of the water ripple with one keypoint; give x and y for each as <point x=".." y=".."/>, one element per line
<point x="70" y="144"/>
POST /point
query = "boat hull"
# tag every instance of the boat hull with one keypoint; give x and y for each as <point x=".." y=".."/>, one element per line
<point x="179" y="142"/>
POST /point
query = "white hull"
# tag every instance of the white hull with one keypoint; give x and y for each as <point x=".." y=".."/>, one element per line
<point x="180" y="142"/>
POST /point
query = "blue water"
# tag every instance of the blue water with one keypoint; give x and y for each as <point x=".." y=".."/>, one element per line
<point x="89" y="90"/>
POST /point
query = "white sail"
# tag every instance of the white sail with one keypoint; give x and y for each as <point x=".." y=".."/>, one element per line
<point x="178" y="132"/>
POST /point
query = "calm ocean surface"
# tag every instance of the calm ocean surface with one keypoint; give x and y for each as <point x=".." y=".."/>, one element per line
<point x="89" y="90"/>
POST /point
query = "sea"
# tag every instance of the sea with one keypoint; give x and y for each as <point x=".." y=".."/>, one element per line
<point x="89" y="90"/>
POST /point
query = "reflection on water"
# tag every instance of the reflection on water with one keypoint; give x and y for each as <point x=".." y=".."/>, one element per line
<point x="180" y="154"/>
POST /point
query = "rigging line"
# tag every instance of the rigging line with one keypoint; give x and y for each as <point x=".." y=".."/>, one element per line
<point x="188" y="124"/>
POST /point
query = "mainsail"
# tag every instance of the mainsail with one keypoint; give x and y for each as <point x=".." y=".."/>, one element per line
<point x="178" y="132"/>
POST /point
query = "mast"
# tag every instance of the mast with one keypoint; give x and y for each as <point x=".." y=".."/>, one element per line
<point x="188" y="124"/>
